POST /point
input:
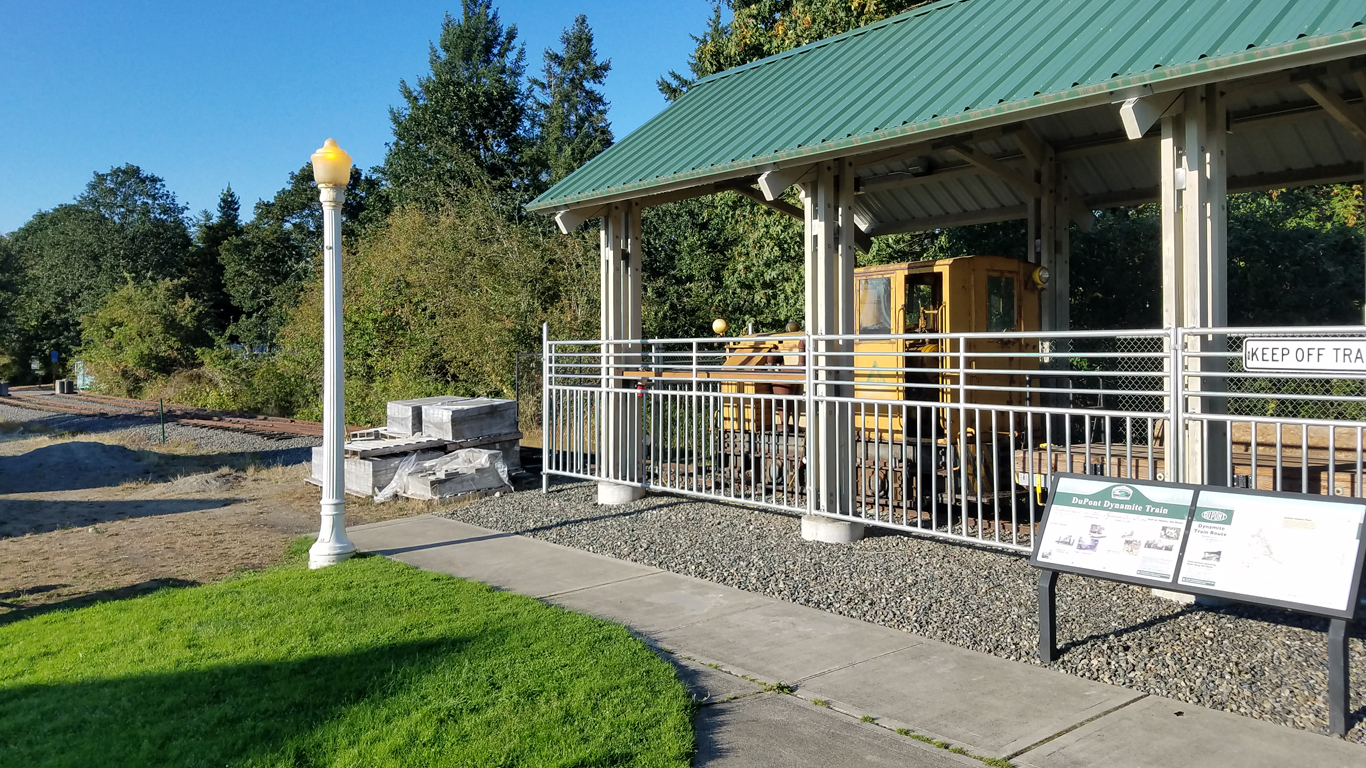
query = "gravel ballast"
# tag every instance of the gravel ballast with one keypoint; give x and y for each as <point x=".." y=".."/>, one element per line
<point x="1262" y="663"/>
<point x="294" y="450"/>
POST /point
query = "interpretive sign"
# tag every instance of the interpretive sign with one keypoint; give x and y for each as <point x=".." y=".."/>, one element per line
<point x="1125" y="530"/>
<point x="1282" y="550"/>
<point x="1314" y="355"/>
<point x="1286" y="550"/>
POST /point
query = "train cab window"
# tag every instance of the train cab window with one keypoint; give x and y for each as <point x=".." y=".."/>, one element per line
<point x="1000" y="303"/>
<point x="923" y="299"/>
<point x="875" y="305"/>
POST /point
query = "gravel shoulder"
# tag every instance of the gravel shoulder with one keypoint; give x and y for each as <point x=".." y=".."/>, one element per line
<point x="1256" y="662"/>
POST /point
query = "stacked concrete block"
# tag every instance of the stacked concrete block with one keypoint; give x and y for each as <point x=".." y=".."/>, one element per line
<point x="405" y="416"/>
<point x="469" y="470"/>
<point x="471" y="418"/>
<point x="366" y="476"/>
<point x="435" y="432"/>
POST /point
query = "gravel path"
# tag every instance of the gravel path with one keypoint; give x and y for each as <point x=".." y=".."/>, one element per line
<point x="271" y="451"/>
<point x="1258" y="662"/>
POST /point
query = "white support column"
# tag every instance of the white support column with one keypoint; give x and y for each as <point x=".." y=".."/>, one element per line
<point x="830" y="261"/>
<point x="620" y="422"/>
<point x="1195" y="268"/>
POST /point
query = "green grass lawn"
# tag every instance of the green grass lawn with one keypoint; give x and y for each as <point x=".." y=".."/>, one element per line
<point x="368" y="663"/>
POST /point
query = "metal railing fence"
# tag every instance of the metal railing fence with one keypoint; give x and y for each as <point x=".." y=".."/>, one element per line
<point x="949" y="435"/>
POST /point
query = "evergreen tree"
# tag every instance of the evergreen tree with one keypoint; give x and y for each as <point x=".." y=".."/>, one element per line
<point x="204" y="275"/>
<point x="268" y="261"/>
<point x="571" y="113"/>
<point x="468" y="117"/>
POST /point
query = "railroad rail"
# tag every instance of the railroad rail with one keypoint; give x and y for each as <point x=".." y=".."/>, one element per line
<point x="88" y="404"/>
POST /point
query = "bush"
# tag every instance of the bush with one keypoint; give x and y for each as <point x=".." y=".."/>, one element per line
<point x="141" y="333"/>
<point x="231" y="380"/>
<point x="439" y="304"/>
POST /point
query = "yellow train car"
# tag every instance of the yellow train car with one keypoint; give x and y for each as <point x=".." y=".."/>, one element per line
<point x="967" y="294"/>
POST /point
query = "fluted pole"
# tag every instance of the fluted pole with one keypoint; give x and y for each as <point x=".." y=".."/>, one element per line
<point x="332" y="545"/>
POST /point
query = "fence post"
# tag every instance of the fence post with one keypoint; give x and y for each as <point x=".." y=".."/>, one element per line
<point x="545" y="408"/>
<point x="962" y="432"/>
<point x="1176" y="443"/>
<point x="809" y="388"/>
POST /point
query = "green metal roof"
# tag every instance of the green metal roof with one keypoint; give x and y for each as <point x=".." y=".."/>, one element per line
<point x="947" y="64"/>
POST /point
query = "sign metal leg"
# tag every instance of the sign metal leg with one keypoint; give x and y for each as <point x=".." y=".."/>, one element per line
<point x="1339" y="702"/>
<point x="1048" y="616"/>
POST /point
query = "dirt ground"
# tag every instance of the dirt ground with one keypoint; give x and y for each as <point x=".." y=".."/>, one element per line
<point x="95" y="517"/>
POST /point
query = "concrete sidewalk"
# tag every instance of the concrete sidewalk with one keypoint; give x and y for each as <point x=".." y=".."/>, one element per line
<point x="740" y="652"/>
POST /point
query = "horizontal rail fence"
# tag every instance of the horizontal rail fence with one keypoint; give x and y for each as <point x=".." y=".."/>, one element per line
<point x="955" y="435"/>
<point x="1279" y="431"/>
<point x="949" y="435"/>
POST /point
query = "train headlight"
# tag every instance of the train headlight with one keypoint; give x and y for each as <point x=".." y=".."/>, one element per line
<point x="1041" y="276"/>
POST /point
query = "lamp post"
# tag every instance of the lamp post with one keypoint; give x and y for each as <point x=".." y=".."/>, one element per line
<point x="332" y="170"/>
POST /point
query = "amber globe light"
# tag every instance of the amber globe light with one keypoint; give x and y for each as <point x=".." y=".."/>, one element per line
<point x="331" y="165"/>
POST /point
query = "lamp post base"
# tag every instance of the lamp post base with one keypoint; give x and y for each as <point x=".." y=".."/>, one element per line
<point x="323" y="556"/>
<point x="332" y="545"/>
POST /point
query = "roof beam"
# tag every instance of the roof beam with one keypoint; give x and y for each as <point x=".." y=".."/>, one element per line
<point x="569" y="220"/>
<point x="781" y="206"/>
<point x="1140" y="113"/>
<point x="862" y="239"/>
<point x="775" y="182"/>
<point x="996" y="167"/>
<point x="1350" y="117"/>
<point x="984" y="216"/>
<point x="901" y="180"/>
<point x="1034" y="149"/>
<point x="1259" y="182"/>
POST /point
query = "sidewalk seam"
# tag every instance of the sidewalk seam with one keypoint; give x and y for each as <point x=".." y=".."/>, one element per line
<point x="1074" y="727"/>
<point x="595" y="586"/>
<point x="808" y="678"/>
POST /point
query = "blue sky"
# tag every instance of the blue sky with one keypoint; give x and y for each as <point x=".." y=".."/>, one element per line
<point x="210" y="94"/>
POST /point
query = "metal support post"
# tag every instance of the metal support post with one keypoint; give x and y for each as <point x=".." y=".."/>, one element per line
<point x="1048" y="616"/>
<point x="1339" y="690"/>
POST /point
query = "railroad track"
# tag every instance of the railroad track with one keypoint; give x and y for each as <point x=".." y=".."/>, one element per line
<point x="86" y="404"/>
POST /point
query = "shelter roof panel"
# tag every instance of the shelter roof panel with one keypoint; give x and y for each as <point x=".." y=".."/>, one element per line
<point x="944" y="67"/>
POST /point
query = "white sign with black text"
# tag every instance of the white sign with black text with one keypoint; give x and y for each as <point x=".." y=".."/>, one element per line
<point x="1276" y="548"/>
<point x="1317" y="355"/>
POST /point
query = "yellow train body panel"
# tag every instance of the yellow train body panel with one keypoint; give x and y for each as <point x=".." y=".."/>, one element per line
<point x="966" y="294"/>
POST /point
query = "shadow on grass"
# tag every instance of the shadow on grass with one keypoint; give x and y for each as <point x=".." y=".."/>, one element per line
<point x="269" y="713"/>
<point x="19" y="611"/>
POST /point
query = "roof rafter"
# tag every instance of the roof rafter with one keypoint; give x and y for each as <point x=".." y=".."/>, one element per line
<point x="1350" y="117"/>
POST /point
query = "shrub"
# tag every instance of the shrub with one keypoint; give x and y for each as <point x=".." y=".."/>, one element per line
<point x="141" y="333"/>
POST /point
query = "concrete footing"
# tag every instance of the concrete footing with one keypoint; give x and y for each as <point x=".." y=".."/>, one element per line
<point x="830" y="531"/>
<point x="612" y="494"/>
